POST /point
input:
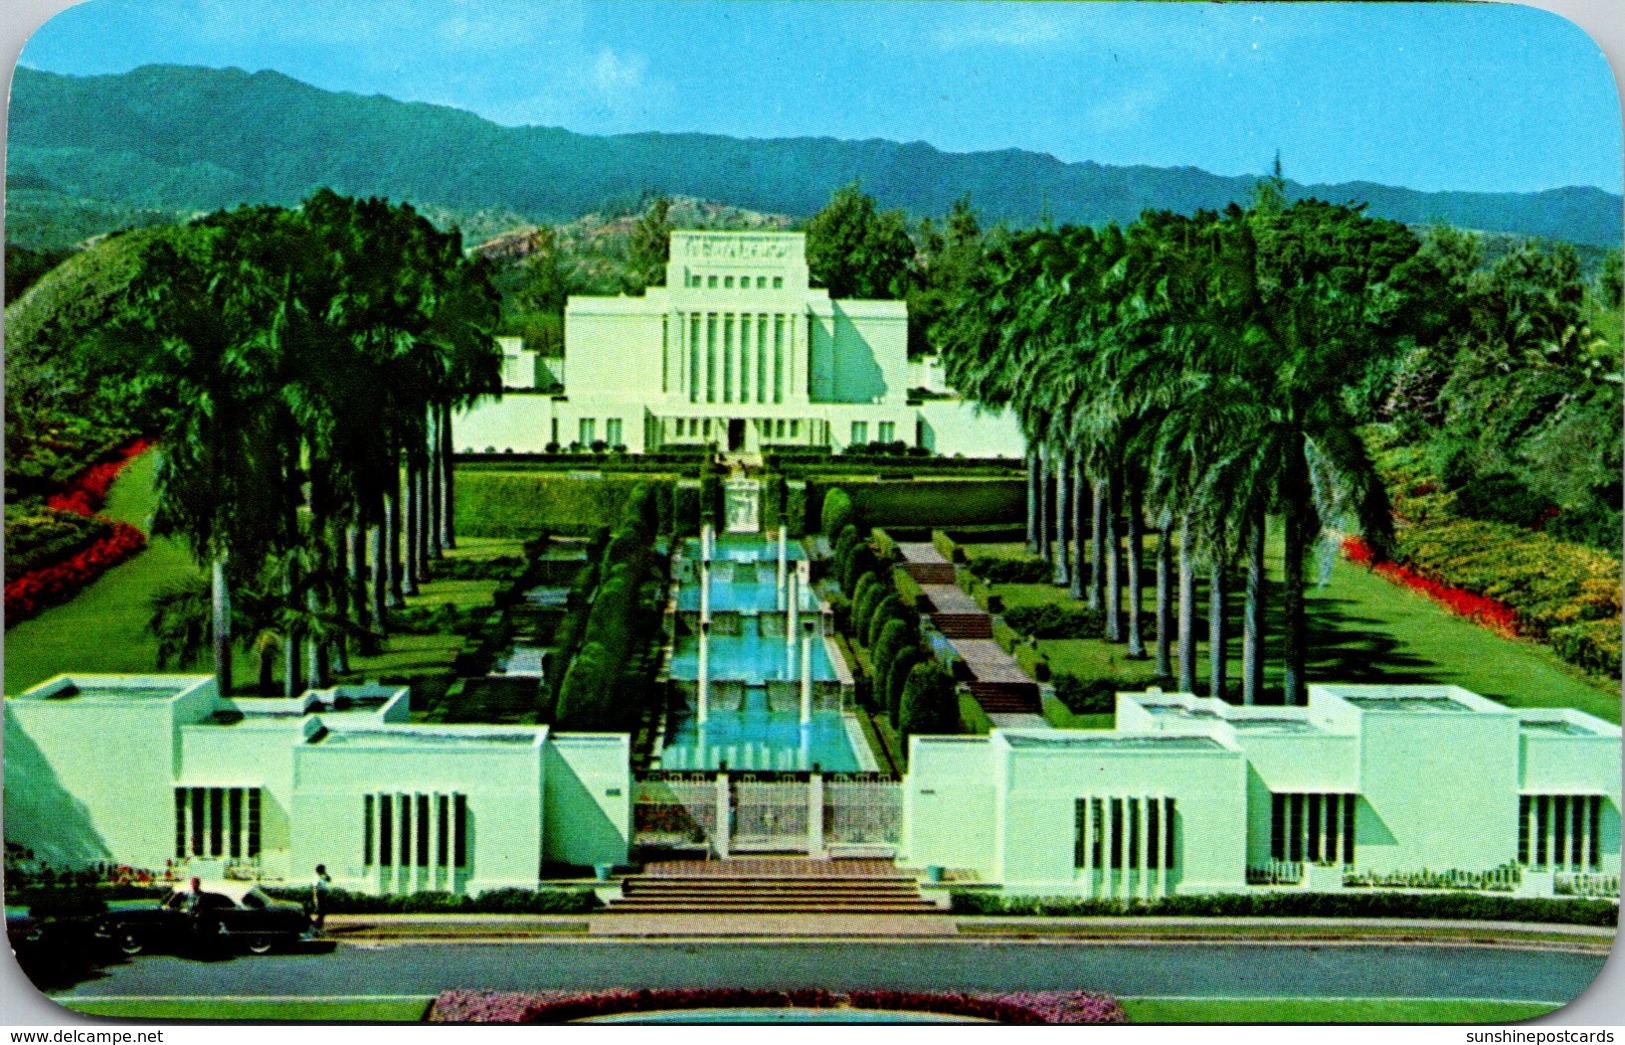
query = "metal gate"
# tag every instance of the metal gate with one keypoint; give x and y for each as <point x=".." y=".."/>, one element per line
<point x="674" y="809"/>
<point x="862" y="808"/>
<point x="769" y="813"/>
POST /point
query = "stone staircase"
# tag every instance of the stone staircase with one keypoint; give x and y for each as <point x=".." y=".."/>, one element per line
<point x="930" y="572"/>
<point x="963" y="625"/>
<point x="772" y="886"/>
<point x="1008" y="698"/>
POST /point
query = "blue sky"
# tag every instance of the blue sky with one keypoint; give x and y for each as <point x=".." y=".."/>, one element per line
<point x="1437" y="96"/>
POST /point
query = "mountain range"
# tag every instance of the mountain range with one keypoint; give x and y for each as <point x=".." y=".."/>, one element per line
<point x="181" y="138"/>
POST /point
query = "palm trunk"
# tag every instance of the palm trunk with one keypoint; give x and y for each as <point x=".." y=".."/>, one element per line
<point x="1136" y="554"/>
<point x="380" y="579"/>
<point x="410" y="572"/>
<point x="313" y="650"/>
<point x="267" y="665"/>
<point x="448" y="482"/>
<point x="1217" y="581"/>
<point x="1296" y="489"/>
<point x="1252" y="624"/>
<point x="358" y="571"/>
<point x="392" y="542"/>
<point x="1165" y="615"/>
<point x="290" y="640"/>
<point x="1080" y="524"/>
<point x="422" y="485"/>
<point x="1187" y="608"/>
<point x="1099" y="532"/>
<point x="432" y="493"/>
<point x="1063" y="520"/>
<point x="1114" y="560"/>
<point x="1043" y="503"/>
<point x="1033" y="465"/>
<point x="341" y="594"/>
<point x="220" y="607"/>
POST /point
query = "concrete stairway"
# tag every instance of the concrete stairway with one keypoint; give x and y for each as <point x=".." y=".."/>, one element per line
<point x="1008" y="698"/>
<point x="963" y="625"/>
<point x="930" y="572"/>
<point x="773" y="887"/>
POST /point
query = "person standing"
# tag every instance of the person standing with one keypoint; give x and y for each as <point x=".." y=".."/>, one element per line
<point x="318" y="897"/>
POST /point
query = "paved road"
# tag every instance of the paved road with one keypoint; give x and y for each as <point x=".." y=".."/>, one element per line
<point x="1148" y="970"/>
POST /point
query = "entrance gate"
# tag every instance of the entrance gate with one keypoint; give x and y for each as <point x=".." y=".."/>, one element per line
<point x="718" y="813"/>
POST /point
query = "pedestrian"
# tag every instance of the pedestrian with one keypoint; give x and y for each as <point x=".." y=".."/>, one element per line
<point x="318" y="897"/>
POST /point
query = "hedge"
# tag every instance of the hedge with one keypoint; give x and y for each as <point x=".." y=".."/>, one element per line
<point x="1056" y="621"/>
<point x="940" y="502"/>
<point x="836" y="513"/>
<point x="41" y="537"/>
<point x="929" y="703"/>
<point x="1012" y="571"/>
<point x="496" y="901"/>
<point x="514" y="504"/>
<point x="1496" y="907"/>
<point x="1088" y="696"/>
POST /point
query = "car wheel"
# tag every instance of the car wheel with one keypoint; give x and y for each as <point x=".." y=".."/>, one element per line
<point x="260" y="944"/>
<point x="129" y="942"/>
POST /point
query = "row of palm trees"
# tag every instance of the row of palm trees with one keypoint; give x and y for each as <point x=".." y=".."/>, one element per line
<point x="301" y="368"/>
<point x="1190" y="375"/>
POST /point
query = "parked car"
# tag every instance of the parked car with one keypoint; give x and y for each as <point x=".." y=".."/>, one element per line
<point x="215" y="914"/>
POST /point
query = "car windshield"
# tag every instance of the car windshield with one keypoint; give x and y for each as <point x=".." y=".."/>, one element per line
<point x="255" y="900"/>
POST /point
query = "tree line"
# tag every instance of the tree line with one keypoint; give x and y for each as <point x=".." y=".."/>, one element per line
<point x="300" y="369"/>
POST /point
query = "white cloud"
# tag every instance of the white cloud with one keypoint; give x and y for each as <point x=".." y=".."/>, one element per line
<point x="1125" y="110"/>
<point x="616" y="77"/>
<point x="1024" y="30"/>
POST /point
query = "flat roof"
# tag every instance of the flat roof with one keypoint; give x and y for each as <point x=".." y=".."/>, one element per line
<point x="109" y="688"/>
<point x="410" y="737"/>
<point x="1272" y="725"/>
<point x="1555" y="727"/>
<point x="1415" y="705"/>
<point x="1074" y="738"/>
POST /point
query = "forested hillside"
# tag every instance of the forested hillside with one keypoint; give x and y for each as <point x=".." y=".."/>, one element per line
<point x="170" y="138"/>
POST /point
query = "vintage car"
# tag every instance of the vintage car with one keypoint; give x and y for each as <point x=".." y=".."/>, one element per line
<point x="215" y="914"/>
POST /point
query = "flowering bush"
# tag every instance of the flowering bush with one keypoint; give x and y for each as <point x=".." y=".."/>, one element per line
<point x="46" y="585"/>
<point x="50" y="585"/>
<point x="1071" y="1007"/>
<point x="37" y="537"/>
<point x="1486" y="611"/>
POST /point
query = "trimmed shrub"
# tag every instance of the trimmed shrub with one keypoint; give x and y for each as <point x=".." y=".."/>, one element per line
<point x="1031" y="570"/>
<point x="861" y="563"/>
<point x="1055" y="621"/>
<point x="837" y="513"/>
<point x="795" y="507"/>
<point x="496" y="901"/>
<point x="897" y="674"/>
<point x="1455" y="905"/>
<point x="893" y="635"/>
<point x="948" y="502"/>
<point x="1087" y="697"/>
<point x="929" y="703"/>
<point x="888" y="609"/>
<point x="866" y="595"/>
<point x="513" y="504"/>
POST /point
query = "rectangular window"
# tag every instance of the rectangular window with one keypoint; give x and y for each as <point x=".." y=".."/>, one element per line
<point x="1542" y="832"/>
<point x="1080" y="833"/>
<point x="711" y="357"/>
<point x="860" y="432"/>
<point x="778" y="282"/>
<point x="795" y="429"/>
<point x="1117" y="833"/>
<point x="441" y="813"/>
<point x="217" y="818"/>
<point x="1097" y="832"/>
<point x="1349" y="802"/>
<point x="761" y="282"/>
<point x="1133" y="833"/>
<point x="761" y="359"/>
<point x="744" y="359"/>
<point x="1523" y="830"/>
<point x="1153" y="834"/>
<point x="405" y="805"/>
<point x="665" y="354"/>
<point x="180" y="823"/>
<point x="234" y="840"/>
<point x="386" y="831"/>
<point x="711" y="282"/>
<point x="1294" y="838"/>
<point x="197" y="821"/>
<point x="366" y="830"/>
<point x="1277" y="827"/>
<point x="460" y="830"/>
<point x="727" y="282"/>
<point x="778" y="358"/>
<point x="1314" y="828"/>
<point x="586" y="431"/>
<point x="1168" y="833"/>
<point x="1560" y="819"/>
<point x="253" y="822"/>
<point x="888" y="431"/>
<point x="1577" y="830"/>
<point x="728" y="356"/>
<point x="694" y="358"/>
<point x="1595" y="802"/>
<point x="423" y="831"/>
<point x="612" y="432"/>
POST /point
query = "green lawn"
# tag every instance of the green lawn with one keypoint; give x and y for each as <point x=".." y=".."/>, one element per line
<point x="1330" y="1010"/>
<point x="103" y="629"/>
<point x="392" y="1010"/>
<point x="1362" y="628"/>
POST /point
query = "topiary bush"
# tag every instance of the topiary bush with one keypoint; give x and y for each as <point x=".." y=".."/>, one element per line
<point x="929" y="702"/>
<point x="1087" y="696"/>
<point x="837" y="513"/>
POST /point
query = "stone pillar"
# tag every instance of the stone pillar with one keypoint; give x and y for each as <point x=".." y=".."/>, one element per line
<point x="705" y="592"/>
<point x="724" y="814"/>
<point x="704" y="672"/>
<point x="706" y="540"/>
<point x="815" y="814"/>
<point x="806" y="676"/>
<point x="784" y="556"/>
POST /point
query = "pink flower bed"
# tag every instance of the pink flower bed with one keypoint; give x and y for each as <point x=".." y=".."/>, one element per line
<point x="1492" y="614"/>
<point x="1039" y="1007"/>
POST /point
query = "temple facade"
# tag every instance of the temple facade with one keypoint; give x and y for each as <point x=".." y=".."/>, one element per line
<point x="738" y="351"/>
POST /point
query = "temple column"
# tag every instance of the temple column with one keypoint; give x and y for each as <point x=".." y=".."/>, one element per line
<point x="704" y="672"/>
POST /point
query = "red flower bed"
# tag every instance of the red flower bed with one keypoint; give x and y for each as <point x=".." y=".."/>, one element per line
<point x="1074" y="1007"/>
<point x="49" y="585"/>
<point x="60" y="581"/>
<point x="89" y="492"/>
<point x="1492" y="614"/>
